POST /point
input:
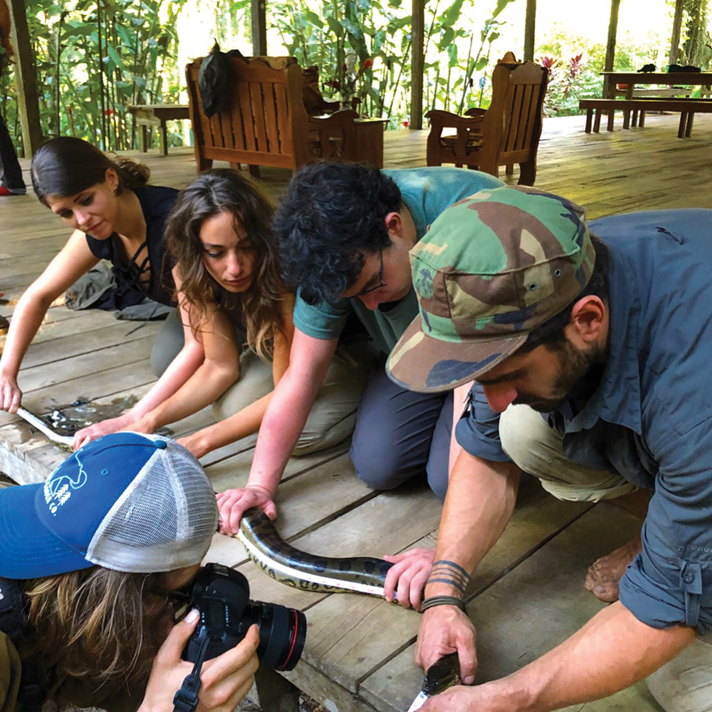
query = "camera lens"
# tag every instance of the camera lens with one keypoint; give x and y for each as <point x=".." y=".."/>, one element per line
<point x="283" y="632"/>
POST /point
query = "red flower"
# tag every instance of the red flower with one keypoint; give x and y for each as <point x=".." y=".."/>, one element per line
<point x="367" y="64"/>
<point x="406" y="124"/>
<point x="108" y="112"/>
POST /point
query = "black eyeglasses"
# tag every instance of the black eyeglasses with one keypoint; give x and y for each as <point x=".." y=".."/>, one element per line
<point x="380" y="284"/>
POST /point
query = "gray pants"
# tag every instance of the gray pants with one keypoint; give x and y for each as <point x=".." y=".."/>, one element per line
<point x="401" y="434"/>
<point x="685" y="683"/>
<point x="333" y="415"/>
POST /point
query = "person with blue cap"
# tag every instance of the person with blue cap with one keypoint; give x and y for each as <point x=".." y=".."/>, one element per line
<point x="590" y="356"/>
<point x="90" y="563"/>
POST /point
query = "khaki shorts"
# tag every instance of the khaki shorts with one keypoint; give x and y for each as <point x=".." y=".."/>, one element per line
<point x="333" y="416"/>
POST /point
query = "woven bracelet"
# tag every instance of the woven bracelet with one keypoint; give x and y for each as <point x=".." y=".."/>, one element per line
<point x="443" y="601"/>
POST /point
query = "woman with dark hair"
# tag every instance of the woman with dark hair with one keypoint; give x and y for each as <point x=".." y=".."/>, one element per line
<point x="115" y="215"/>
<point x="92" y="563"/>
<point x="237" y="322"/>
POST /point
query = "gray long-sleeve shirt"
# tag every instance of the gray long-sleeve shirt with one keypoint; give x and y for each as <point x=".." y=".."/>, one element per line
<point x="650" y="419"/>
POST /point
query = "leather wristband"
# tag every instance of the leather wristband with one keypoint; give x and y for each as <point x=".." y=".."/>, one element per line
<point x="443" y="601"/>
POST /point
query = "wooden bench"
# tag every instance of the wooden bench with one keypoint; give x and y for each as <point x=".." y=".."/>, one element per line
<point x="156" y="115"/>
<point x="638" y="107"/>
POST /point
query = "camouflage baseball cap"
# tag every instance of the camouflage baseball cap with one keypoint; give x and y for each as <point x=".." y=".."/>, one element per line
<point x="492" y="268"/>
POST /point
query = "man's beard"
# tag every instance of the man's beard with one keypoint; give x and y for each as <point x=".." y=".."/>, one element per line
<point x="573" y="365"/>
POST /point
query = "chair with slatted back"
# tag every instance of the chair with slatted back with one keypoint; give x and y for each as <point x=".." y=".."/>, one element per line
<point x="263" y="122"/>
<point x="506" y="133"/>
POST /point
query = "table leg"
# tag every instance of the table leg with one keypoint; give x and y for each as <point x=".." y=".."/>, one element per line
<point x="163" y="136"/>
<point x="626" y="118"/>
<point x="634" y="118"/>
<point x="611" y="116"/>
<point x="597" y="122"/>
<point x="688" y="128"/>
<point x="641" y="119"/>
<point x="143" y="138"/>
<point x="589" y="120"/>
<point x="683" y="122"/>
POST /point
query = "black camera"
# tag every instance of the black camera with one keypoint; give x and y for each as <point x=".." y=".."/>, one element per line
<point x="226" y="613"/>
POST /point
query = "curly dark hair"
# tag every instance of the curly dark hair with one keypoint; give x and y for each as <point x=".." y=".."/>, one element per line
<point x="331" y="218"/>
<point x="551" y="332"/>
<point x="225" y="190"/>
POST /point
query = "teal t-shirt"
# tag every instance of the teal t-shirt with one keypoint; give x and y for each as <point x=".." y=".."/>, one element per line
<point x="426" y="192"/>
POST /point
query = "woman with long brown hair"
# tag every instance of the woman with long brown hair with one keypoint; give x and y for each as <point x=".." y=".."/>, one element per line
<point x="92" y="564"/>
<point x="236" y="314"/>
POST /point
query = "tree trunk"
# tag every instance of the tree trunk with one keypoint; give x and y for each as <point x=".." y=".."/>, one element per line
<point x="26" y="79"/>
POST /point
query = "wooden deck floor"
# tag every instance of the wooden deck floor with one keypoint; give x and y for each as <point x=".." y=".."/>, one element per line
<point x="527" y="595"/>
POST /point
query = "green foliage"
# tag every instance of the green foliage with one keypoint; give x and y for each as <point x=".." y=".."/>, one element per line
<point x="559" y="49"/>
<point x="363" y="50"/>
<point x="95" y="58"/>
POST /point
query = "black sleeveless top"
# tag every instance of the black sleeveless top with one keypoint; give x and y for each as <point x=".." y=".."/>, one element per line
<point x="156" y="204"/>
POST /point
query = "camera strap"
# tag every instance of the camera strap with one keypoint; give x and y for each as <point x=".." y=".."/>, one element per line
<point x="186" y="699"/>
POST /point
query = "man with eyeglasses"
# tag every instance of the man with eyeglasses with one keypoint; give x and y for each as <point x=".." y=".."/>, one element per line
<point x="344" y="232"/>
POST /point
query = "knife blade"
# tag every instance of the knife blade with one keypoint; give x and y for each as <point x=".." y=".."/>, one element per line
<point x="441" y="676"/>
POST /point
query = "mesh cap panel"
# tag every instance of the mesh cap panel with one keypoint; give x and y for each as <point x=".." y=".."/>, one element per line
<point x="163" y="521"/>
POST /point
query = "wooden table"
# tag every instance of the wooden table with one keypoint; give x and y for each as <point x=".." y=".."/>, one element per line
<point x="156" y="115"/>
<point x="632" y="79"/>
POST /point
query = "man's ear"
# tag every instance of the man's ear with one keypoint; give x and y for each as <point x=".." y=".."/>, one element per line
<point x="394" y="224"/>
<point x="589" y="321"/>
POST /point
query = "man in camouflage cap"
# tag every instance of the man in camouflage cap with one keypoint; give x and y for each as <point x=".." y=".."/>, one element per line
<point x="589" y="357"/>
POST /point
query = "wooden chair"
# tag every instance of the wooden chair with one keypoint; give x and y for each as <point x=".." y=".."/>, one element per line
<point x="506" y="133"/>
<point x="264" y="122"/>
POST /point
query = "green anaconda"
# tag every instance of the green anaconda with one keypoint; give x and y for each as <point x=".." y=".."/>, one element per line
<point x="306" y="571"/>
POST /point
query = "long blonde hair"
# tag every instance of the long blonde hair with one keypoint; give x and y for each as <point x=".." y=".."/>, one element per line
<point x="97" y="624"/>
<point x="210" y="194"/>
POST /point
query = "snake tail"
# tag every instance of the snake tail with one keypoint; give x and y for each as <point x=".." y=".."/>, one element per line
<point x="305" y="571"/>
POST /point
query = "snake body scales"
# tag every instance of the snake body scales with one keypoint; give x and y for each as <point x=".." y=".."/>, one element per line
<point x="307" y="572"/>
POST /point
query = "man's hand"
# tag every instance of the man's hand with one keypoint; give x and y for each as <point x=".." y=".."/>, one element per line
<point x="409" y="574"/>
<point x="92" y="432"/>
<point x="233" y="503"/>
<point x="10" y="394"/>
<point x="482" y="698"/>
<point x="225" y="680"/>
<point x="444" y="630"/>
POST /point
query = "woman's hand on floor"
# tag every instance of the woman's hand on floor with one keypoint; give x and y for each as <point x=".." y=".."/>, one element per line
<point x="10" y="394"/>
<point x="92" y="432"/>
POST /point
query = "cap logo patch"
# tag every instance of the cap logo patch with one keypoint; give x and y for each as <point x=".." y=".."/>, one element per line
<point x="57" y="490"/>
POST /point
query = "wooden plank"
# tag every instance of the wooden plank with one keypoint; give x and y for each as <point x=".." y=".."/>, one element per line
<point x="525" y="613"/>
<point x="85" y="365"/>
<point x="58" y="348"/>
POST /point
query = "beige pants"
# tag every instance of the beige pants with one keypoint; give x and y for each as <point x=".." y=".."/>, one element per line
<point x="537" y="449"/>
<point x="685" y="683"/>
<point x="333" y="415"/>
